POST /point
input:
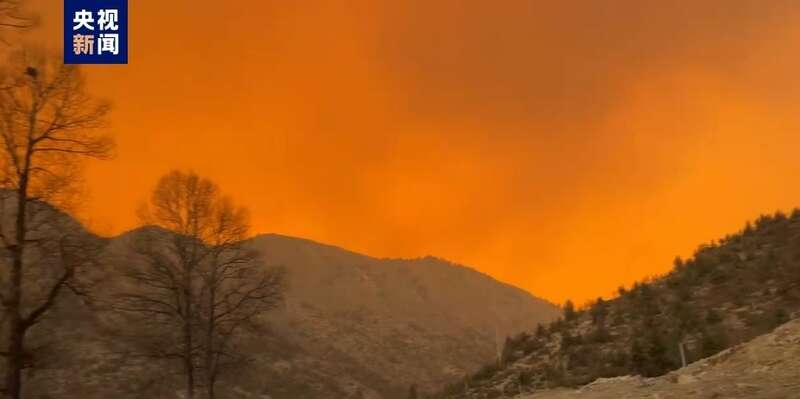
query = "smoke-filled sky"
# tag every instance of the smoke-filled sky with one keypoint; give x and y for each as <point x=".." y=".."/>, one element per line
<point x="566" y="147"/>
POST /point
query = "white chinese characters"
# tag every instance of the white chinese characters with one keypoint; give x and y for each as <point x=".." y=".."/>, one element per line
<point x="109" y="43"/>
<point x="83" y="19"/>
<point x="108" y="19"/>
<point x="83" y="43"/>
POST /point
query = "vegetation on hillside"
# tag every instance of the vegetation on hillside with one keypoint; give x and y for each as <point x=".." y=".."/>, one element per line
<point x="730" y="291"/>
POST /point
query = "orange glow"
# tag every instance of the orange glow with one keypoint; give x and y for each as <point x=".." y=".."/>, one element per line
<point x="566" y="149"/>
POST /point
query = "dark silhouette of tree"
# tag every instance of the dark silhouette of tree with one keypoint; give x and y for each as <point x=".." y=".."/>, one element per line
<point x="541" y="331"/>
<point x="600" y="335"/>
<point x="713" y="340"/>
<point x="659" y="361"/>
<point x="678" y="263"/>
<point x="779" y="316"/>
<point x="569" y="310"/>
<point x="237" y="287"/>
<point x="638" y="357"/>
<point x="599" y="311"/>
<point x="196" y="285"/>
<point x="508" y="350"/>
<point x="48" y="124"/>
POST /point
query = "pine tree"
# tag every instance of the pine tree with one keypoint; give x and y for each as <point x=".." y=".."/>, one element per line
<point x="569" y="310"/>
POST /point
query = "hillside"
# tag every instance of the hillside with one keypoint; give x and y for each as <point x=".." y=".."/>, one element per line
<point x="768" y="367"/>
<point x="396" y="322"/>
<point x="729" y="292"/>
<point x="350" y="326"/>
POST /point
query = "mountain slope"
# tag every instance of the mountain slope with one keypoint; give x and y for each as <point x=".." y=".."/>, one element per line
<point x="351" y="326"/>
<point x="729" y="292"/>
<point x="409" y="321"/>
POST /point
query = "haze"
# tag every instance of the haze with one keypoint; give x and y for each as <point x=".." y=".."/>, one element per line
<point x="564" y="147"/>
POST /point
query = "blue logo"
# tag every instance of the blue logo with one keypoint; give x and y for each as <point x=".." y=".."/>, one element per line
<point x="95" y="31"/>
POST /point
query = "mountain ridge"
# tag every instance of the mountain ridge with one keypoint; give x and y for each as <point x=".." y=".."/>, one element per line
<point x="334" y="247"/>
<point x="415" y="261"/>
<point x="351" y="325"/>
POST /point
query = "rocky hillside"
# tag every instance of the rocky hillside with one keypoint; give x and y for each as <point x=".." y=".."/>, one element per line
<point x="729" y="292"/>
<point x="351" y="326"/>
<point x="767" y="367"/>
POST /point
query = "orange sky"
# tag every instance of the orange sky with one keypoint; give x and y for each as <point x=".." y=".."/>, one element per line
<point x="565" y="148"/>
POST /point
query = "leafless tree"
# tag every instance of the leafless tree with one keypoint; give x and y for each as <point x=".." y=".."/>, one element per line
<point x="236" y="287"/>
<point x="197" y="285"/>
<point x="48" y="125"/>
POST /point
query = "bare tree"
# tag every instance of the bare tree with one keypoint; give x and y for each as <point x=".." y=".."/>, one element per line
<point x="196" y="284"/>
<point x="236" y="287"/>
<point x="48" y="124"/>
